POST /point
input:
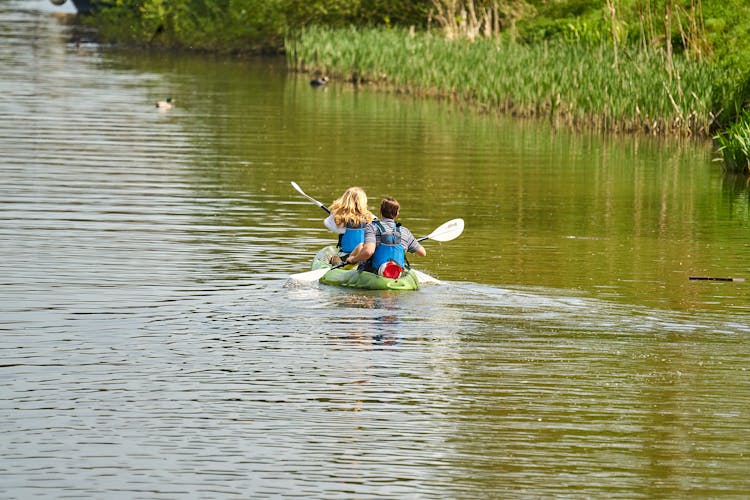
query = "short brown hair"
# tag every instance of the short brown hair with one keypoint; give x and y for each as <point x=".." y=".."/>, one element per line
<point x="389" y="208"/>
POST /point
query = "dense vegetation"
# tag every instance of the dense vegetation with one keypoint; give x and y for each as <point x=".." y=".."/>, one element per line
<point x="572" y="83"/>
<point x="660" y="66"/>
<point x="243" y="25"/>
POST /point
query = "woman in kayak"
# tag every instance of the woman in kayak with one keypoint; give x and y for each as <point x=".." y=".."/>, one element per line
<point x="386" y="243"/>
<point x="349" y="216"/>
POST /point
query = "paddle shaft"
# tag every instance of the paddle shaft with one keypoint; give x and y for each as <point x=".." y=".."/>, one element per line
<point x="299" y="190"/>
<point x="446" y="232"/>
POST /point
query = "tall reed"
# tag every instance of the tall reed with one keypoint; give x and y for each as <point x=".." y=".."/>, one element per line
<point x="576" y="84"/>
<point x="734" y="144"/>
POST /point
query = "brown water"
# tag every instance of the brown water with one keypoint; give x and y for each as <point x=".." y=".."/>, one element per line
<point x="150" y="347"/>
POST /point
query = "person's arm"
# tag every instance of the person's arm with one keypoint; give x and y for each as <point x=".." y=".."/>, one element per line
<point x="367" y="249"/>
<point x="330" y="223"/>
<point x="413" y="246"/>
<point x="365" y="253"/>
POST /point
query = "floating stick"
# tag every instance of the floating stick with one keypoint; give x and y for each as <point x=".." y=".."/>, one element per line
<point x="710" y="278"/>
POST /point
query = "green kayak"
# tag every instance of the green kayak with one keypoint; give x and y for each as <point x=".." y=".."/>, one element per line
<point x="350" y="277"/>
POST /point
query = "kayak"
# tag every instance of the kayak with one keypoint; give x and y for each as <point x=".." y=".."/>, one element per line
<point x="349" y="276"/>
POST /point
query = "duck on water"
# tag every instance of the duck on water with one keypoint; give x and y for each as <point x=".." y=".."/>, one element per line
<point x="319" y="81"/>
<point x="165" y="104"/>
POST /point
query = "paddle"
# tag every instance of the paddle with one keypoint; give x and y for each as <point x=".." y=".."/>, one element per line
<point x="314" y="275"/>
<point x="299" y="190"/>
<point x="425" y="279"/>
<point x="446" y="232"/>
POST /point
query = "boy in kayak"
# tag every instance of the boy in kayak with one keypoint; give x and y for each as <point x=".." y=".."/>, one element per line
<point x="349" y="217"/>
<point x="386" y="243"/>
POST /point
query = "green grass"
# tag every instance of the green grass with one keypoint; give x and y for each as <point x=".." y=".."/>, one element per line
<point x="734" y="145"/>
<point x="577" y="84"/>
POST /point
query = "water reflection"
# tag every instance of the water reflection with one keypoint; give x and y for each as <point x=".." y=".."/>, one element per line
<point x="736" y="195"/>
<point x="373" y="318"/>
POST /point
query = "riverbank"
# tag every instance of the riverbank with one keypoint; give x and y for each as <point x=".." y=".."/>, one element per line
<point x="664" y="68"/>
<point x="575" y="85"/>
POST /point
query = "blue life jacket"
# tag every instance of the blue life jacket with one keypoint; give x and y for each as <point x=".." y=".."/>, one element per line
<point x="389" y="248"/>
<point x="353" y="236"/>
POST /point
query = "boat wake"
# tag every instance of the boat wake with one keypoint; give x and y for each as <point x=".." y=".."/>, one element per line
<point x="556" y="310"/>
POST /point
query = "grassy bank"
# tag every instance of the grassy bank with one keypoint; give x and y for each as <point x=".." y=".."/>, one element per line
<point x="575" y="84"/>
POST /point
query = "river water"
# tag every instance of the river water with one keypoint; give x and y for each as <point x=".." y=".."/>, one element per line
<point x="153" y="348"/>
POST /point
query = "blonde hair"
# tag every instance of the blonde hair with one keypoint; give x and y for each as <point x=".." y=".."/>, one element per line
<point x="351" y="208"/>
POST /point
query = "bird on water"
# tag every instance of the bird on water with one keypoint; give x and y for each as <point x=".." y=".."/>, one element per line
<point x="319" y="81"/>
<point x="165" y="104"/>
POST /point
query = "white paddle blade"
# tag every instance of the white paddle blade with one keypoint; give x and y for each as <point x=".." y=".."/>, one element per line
<point x="426" y="279"/>
<point x="448" y="231"/>
<point x="309" y="276"/>
<point x="299" y="190"/>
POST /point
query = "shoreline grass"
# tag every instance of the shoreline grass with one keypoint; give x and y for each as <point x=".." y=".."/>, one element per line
<point x="577" y="85"/>
<point x="734" y="145"/>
